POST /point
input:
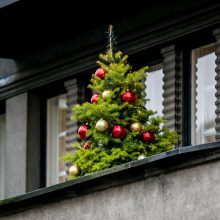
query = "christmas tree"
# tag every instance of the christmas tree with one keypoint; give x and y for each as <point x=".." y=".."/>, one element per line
<point x="115" y="126"/>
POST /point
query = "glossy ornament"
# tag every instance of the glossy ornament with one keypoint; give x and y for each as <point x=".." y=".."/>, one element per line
<point x="148" y="137"/>
<point x="100" y="73"/>
<point x="106" y="94"/>
<point x="87" y="145"/>
<point x="136" y="127"/>
<point x="101" y="125"/>
<point x="74" y="170"/>
<point x="95" y="98"/>
<point x="141" y="157"/>
<point x="119" y="131"/>
<point x="129" y="97"/>
<point x="82" y="131"/>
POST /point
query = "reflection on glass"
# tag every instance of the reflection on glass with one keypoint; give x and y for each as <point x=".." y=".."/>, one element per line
<point x="154" y="89"/>
<point x="203" y="95"/>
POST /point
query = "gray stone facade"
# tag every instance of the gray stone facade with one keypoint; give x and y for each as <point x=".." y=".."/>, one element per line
<point x="174" y="189"/>
<point x="16" y="145"/>
<point x="190" y="193"/>
<point x="22" y="149"/>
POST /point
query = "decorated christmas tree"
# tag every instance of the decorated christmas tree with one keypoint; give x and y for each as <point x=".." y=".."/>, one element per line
<point x="116" y="128"/>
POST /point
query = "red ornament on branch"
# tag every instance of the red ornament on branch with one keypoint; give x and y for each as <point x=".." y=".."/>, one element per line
<point x="119" y="131"/>
<point x="148" y="137"/>
<point x="95" y="98"/>
<point x="82" y="131"/>
<point x="129" y="97"/>
<point x="87" y="145"/>
<point x="100" y="73"/>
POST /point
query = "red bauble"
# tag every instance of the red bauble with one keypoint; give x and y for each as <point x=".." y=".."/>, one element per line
<point x="148" y="137"/>
<point x="87" y="145"/>
<point x="82" y="131"/>
<point x="100" y="73"/>
<point x="118" y="131"/>
<point x="95" y="98"/>
<point x="129" y="97"/>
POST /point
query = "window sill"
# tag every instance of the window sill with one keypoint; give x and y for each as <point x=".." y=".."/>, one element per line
<point x="179" y="158"/>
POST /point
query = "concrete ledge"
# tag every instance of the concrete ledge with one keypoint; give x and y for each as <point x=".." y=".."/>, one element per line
<point x="119" y="175"/>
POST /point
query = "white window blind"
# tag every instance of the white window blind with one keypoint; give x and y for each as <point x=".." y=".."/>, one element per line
<point x="154" y="89"/>
<point x="56" y="139"/>
<point x="203" y="95"/>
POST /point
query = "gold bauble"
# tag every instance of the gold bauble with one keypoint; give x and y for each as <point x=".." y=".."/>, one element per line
<point x="74" y="170"/>
<point x="136" y="127"/>
<point x="106" y="94"/>
<point x="101" y="125"/>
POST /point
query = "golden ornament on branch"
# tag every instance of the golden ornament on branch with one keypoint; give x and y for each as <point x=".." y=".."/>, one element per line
<point x="74" y="170"/>
<point x="136" y="127"/>
<point x="101" y="125"/>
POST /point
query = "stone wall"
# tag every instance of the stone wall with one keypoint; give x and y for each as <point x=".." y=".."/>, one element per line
<point x="188" y="193"/>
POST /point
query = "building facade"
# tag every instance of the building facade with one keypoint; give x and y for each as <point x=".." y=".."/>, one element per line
<point x="44" y="72"/>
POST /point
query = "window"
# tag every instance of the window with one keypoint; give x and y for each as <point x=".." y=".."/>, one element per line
<point x="203" y="95"/>
<point x="154" y="89"/>
<point x="56" y="139"/>
<point x="2" y="154"/>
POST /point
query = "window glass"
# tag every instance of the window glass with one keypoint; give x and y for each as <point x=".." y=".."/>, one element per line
<point x="56" y="139"/>
<point x="154" y="89"/>
<point x="203" y="95"/>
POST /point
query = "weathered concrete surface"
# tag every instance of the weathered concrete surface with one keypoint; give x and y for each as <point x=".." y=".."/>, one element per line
<point x="15" y="151"/>
<point x="189" y="194"/>
<point x="22" y="152"/>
